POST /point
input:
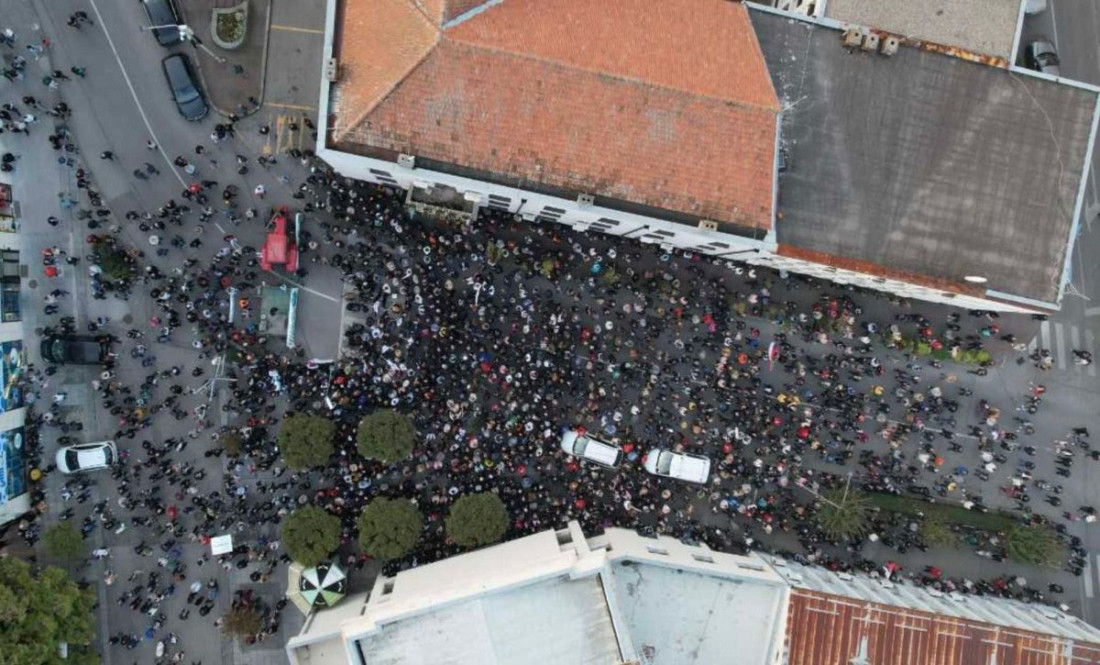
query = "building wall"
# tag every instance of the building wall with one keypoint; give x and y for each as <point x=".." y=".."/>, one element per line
<point x="14" y="498"/>
<point x="580" y="216"/>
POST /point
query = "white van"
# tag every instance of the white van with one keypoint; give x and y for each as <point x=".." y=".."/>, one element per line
<point x="681" y="466"/>
<point x="587" y="448"/>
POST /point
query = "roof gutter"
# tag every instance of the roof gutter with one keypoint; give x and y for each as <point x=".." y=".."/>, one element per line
<point x="1027" y="302"/>
<point x="1067" y="265"/>
<point x="323" y="104"/>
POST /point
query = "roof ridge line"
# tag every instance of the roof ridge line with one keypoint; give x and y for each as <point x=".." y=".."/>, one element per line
<point x="358" y="118"/>
<point x="528" y="56"/>
<point x="470" y="13"/>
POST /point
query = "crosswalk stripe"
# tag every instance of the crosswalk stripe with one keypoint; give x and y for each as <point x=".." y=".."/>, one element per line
<point x="1060" y="348"/>
<point x="1044" y="335"/>
<point x="1090" y="346"/>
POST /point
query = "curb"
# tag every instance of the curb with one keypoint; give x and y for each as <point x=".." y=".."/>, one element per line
<point x="263" y="69"/>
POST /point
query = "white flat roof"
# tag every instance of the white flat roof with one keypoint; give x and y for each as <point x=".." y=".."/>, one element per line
<point x="560" y="621"/>
<point x="677" y="617"/>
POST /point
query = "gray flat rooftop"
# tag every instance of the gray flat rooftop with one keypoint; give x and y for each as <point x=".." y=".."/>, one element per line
<point x="556" y="622"/>
<point x="925" y="163"/>
<point x="982" y="26"/>
<point x="678" y="617"/>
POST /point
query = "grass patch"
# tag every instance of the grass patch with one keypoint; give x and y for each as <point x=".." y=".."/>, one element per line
<point x="947" y="513"/>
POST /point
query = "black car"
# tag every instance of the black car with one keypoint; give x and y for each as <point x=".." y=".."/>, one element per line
<point x="76" y="349"/>
<point x="185" y="91"/>
<point x="163" y="13"/>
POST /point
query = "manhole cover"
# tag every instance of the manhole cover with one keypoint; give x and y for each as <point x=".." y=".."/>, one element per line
<point x="33" y="283"/>
<point x="129" y="318"/>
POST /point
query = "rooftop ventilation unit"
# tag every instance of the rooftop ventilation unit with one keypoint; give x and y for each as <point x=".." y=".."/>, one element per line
<point x="585" y="199"/>
<point x="331" y="70"/>
<point x="708" y="225"/>
<point x="870" y="42"/>
<point x="853" y="37"/>
<point x="890" y="45"/>
<point x="407" y="161"/>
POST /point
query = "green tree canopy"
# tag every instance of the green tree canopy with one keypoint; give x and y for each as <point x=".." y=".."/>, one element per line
<point x="477" y="519"/>
<point x="310" y="535"/>
<point x="386" y="435"/>
<point x="844" y="515"/>
<point x="38" y="613"/>
<point x="306" y="441"/>
<point x="389" y="528"/>
<point x="1035" y="544"/>
<point x="63" y="541"/>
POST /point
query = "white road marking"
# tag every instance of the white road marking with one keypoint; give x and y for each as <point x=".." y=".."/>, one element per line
<point x="133" y="93"/>
<point x="1044" y="335"/>
<point x="1088" y="578"/>
<point x="1075" y="340"/>
<point x="1060" y="347"/>
<point x="1090" y="346"/>
<point x="1054" y="25"/>
<point x="1092" y="311"/>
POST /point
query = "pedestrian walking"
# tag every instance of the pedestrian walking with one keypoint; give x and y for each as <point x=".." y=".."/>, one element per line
<point x="60" y="75"/>
<point x="107" y="154"/>
<point x="79" y="71"/>
<point x="140" y="175"/>
<point x="151" y="170"/>
<point x="150" y="144"/>
<point x="7" y="36"/>
<point x="260" y="191"/>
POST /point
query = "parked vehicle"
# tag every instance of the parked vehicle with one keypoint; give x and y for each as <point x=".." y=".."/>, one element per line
<point x="86" y="457"/>
<point x="185" y="90"/>
<point x="76" y="349"/>
<point x="681" y="466"/>
<point x="164" y="18"/>
<point x="591" y="450"/>
<point x="1041" y="56"/>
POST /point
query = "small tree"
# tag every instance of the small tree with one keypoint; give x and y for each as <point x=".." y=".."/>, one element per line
<point x="389" y="528"/>
<point x="310" y="535"/>
<point x="306" y="441"/>
<point x="386" y="435"/>
<point x="477" y="519"/>
<point x="63" y="541"/>
<point x="242" y="621"/>
<point x="844" y="514"/>
<point x="1035" y="545"/>
<point x="115" y="263"/>
<point x="231" y="442"/>
<point x="39" y="612"/>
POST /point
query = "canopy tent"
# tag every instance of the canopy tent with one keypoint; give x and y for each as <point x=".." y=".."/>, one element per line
<point x="321" y="586"/>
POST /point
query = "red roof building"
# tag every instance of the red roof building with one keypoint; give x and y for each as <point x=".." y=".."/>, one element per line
<point x="664" y="105"/>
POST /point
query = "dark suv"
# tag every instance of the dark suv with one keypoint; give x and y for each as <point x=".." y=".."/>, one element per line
<point x="163" y="13"/>
<point x="76" y="349"/>
<point x="185" y="91"/>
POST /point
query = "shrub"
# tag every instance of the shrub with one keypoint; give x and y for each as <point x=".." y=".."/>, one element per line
<point x="306" y="441"/>
<point x="310" y="535"/>
<point x="386" y="435"/>
<point x="63" y="541"/>
<point x="477" y="519"/>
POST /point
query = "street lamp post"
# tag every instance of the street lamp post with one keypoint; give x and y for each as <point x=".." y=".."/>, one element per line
<point x="188" y="35"/>
<point x="754" y="250"/>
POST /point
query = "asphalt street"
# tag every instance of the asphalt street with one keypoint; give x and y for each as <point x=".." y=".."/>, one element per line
<point x="124" y="102"/>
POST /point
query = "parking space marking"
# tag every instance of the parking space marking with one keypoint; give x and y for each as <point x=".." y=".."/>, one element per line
<point x="285" y="137"/>
<point x="294" y="28"/>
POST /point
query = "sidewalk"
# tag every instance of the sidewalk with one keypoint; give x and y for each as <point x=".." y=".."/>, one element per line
<point x="239" y="76"/>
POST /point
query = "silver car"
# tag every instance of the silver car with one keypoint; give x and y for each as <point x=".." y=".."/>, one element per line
<point x="1041" y="56"/>
<point x="86" y="457"/>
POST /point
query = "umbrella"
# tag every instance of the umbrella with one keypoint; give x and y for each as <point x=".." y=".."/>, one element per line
<point x="322" y="585"/>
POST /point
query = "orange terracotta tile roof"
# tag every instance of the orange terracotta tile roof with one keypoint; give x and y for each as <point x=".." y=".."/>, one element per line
<point x="664" y="104"/>
<point x="823" y="629"/>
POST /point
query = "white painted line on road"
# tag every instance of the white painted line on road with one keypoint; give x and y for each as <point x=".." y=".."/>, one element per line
<point x="1090" y="346"/>
<point x="1075" y="340"/>
<point x="1088" y="578"/>
<point x="306" y="288"/>
<point x="133" y="93"/>
<point x="1092" y="311"/>
<point x="1060" y="348"/>
<point x="1044" y="335"/>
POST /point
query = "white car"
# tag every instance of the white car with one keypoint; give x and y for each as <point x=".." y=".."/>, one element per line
<point x="681" y="466"/>
<point x="86" y="457"/>
<point x="592" y="450"/>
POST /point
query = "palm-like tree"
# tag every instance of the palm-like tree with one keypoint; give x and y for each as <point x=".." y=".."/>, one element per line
<point x="1035" y="544"/>
<point x="845" y="514"/>
<point x="936" y="533"/>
